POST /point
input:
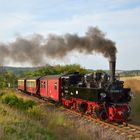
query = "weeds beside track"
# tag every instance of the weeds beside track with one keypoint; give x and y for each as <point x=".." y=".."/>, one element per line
<point x="129" y="131"/>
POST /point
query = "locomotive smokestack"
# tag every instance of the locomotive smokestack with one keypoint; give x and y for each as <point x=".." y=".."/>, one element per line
<point x="112" y="65"/>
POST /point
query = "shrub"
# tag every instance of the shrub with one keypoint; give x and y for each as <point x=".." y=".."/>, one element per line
<point x="1" y="94"/>
<point x="29" y="104"/>
<point x="10" y="99"/>
<point x="13" y="100"/>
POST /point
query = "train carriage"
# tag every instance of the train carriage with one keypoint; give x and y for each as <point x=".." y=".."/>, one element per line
<point x="50" y="87"/>
<point x="22" y="84"/>
<point x="32" y="85"/>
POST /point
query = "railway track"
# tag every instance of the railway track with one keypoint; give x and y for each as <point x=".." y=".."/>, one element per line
<point x="130" y="131"/>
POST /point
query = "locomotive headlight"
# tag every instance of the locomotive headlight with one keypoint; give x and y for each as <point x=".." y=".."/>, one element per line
<point x="103" y="95"/>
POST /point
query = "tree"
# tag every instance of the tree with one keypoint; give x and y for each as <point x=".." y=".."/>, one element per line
<point x="52" y="70"/>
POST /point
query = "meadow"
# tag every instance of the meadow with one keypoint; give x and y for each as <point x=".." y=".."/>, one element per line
<point x="25" y="117"/>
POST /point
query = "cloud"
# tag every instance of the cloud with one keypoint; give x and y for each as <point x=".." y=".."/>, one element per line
<point x="121" y="26"/>
<point x="119" y="19"/>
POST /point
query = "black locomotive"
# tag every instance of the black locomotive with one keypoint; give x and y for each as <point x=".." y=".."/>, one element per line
<point x="99" y="95"/>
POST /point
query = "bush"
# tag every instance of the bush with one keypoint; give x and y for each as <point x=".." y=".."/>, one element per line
<point x="9" y="99"/>
<point x="29" y="104"/>
<point x="13" y="100"/>
<point x="1" y="94"/>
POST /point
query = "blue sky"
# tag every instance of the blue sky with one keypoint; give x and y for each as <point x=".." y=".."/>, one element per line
<point x="119" y="19"/>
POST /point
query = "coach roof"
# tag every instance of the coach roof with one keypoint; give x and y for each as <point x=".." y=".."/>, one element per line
<point x="33" y="78"/>
<point x="52" y="76"/>
<point x="22" y="78"/>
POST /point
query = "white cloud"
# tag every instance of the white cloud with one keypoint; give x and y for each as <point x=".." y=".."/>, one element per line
<point x="122" y="26"/>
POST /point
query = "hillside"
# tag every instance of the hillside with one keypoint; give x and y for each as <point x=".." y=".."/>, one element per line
<point x="18" y="70"/>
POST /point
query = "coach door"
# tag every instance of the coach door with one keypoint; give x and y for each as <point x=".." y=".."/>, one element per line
<point x="53" y="89"/>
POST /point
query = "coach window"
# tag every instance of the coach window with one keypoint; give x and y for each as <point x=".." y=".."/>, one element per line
<point x="55" y="86"/>
<point x="44" y="84"/>
<point x="41" y="84"/>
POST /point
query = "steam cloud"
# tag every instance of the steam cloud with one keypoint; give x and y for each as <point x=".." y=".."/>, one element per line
<point x="36" y="49"/>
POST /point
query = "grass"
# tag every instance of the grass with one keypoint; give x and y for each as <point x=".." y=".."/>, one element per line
<point x="34" y="121"/>
<point x="134" y="84"/>
<point x="135" y="104"/>
<point x="42" y="122"/>
<point x="131" y="77"/>
<point x="16" y="125"/>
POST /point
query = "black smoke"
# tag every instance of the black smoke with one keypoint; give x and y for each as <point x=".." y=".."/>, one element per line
<point x="36" y="49"/>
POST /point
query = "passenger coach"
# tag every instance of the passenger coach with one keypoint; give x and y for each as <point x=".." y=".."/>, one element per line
<point x="32" y="85"/>
<point x="22" y="84"/>
<point x="50" y="87"/>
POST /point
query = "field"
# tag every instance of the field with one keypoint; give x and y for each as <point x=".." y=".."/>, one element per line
<point x="134" y="84"/>
<point x="25" y="119"/>
<point x="28" y="118"/>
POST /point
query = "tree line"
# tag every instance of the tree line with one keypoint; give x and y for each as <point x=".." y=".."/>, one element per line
<point x="9" y="78"/>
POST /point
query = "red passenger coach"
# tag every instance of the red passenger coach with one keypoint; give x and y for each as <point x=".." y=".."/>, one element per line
<point x="22" y="84"/>
<point x="32" y="85"/>
<point x="50" y="87"/>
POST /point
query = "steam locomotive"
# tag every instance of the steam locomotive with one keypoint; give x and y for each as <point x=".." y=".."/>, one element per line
<point x="99" y="95"/>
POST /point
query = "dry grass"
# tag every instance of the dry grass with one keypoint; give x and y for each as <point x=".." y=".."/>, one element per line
<point x="132" y="82"/>
<point x="131" y="77"/>
<point x="43" y="122"/>
<point x="38" y="123"/>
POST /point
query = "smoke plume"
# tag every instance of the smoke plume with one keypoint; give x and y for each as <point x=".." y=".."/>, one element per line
<point x="36" y="49"/>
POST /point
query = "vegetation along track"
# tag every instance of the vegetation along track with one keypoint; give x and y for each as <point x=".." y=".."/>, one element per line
<point x="131" y="131"/>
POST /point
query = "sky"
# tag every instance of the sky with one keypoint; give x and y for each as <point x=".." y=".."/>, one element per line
<point x="118" y="19"/>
